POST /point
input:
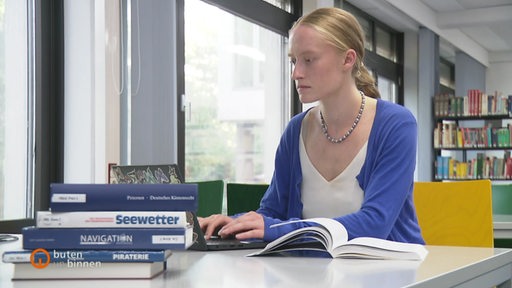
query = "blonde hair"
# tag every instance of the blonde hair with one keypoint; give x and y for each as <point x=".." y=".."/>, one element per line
<point x="343" y="31"/>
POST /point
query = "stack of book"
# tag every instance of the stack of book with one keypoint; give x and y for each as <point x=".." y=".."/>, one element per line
<point x="106" y="231"/>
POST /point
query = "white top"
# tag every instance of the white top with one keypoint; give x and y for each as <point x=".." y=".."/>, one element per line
<point x="338" y="197"/>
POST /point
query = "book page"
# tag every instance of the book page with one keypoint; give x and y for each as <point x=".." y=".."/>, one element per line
<point x="376" y="247"/>
<point x="295" y="239"/>
<point x="336" y="230"/>
<point x="330" y="233"/>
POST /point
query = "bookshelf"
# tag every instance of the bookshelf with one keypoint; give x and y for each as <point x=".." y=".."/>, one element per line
<point x="472" y="137"/>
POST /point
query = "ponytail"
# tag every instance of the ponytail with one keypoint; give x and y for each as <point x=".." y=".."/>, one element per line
<point x="366" y="83"/>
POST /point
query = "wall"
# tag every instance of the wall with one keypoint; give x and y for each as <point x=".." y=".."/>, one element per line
<point x="499" y="74"/>
<point x="428" y="83"/>
<point x="469" y="74"/>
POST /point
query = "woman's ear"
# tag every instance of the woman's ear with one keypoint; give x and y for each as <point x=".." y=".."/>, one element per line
<point x="350" y="58"/>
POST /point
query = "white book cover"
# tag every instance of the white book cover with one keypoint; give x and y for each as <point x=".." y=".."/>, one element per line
<point x="89" y="270"/>
<point x="114" y="219"/>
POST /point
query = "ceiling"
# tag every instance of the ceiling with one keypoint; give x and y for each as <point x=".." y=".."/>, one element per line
<point x="487" y="22"/>
<point x="482" y="28"/>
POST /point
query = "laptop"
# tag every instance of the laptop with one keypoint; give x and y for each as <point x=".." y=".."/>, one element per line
<point x="218" y="244"/>
<point x="170" y="173"/>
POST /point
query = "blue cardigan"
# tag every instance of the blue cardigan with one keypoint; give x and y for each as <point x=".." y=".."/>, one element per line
<point x="387" y="178"/>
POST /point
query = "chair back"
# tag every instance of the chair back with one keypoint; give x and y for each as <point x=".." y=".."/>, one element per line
<point x="243" y="197"/>
<point x="502" y="204"/>
<point x="455" y="213"/>
<point x="502" y="198"/>
<point x="210" y="197"/>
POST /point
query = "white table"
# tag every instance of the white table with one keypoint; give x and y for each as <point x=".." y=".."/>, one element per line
<point x="444" y="267"/>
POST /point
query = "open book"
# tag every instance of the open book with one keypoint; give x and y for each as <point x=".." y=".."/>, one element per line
<point x="332" y="237"/>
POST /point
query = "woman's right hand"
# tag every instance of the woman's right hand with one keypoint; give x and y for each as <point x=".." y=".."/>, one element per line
<point x="212" y="224"/>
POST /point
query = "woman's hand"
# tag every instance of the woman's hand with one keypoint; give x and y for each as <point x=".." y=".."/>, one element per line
<point x="213" y="223"/>
<point x="249" y="225"/>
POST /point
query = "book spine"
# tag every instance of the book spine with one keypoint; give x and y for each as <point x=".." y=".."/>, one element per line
<point x="106" y="238"/>
<point x="114" y="219"/>
<point x="123" y="197"/>
<point x="57" y="256"/>
<point x="439" y="167"/>
<point x="446" y="159"/>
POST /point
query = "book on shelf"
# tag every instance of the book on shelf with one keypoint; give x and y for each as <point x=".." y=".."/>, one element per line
<point x="65" y="197"/>
<point x="330" y="236"/>
<point x="474" y="103"/>
<point x="107" y="238"/>
<point x="89" y="270"/>
<point x="59" y="255"/>
<point x="114" y="219"/>
<point x="449" y="135"/>
<point x="481" y="167"/>
<point x="145" y="174"/>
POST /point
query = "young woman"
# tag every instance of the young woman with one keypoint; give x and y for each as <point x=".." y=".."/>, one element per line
<point x="350" y="158"/>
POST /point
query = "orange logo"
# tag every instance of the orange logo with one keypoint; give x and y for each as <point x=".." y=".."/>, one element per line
<point x="39" y="264"/>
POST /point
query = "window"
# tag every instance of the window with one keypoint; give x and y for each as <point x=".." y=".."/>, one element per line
<point x="368" y="32"/>
<point x="245" y="51"/>
<point x="16" y="112"/>
<point x="446" y="76"/>
<point x="387" y="89"/>
<point x="237" y="91"/>
<point x="31" y="85"/>
<point x="385" y="44"/>
<point x="384" y="54"/>
<point x="283" y="4"/>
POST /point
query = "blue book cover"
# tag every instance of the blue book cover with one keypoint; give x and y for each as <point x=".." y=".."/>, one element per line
<point x="439" y="167"/>
<point x="123" y="197"/>
<point x="107" y="238"/>
<point x="446" y="160"/>
<point x="57" y="256"/>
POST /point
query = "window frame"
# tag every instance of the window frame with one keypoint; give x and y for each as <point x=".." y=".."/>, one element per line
<point x="49" y="106"/>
